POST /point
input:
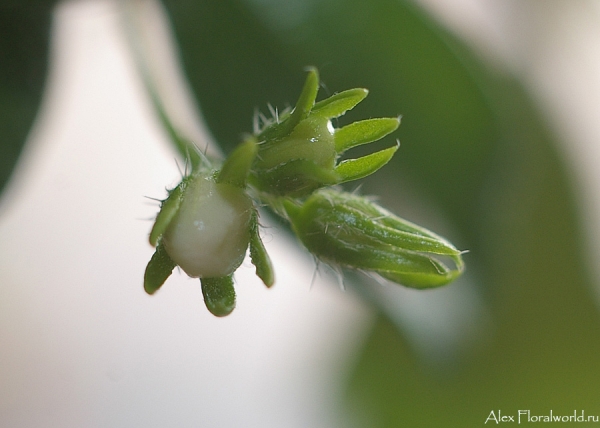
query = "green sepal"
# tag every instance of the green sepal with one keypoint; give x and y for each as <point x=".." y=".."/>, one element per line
<point x="258" y="254"/>
<point x="304" y="105"/>
<point x="422" y="280"/>
<point x="338" y="104"/>
<point x="392" y="221"/>
<point x="363" y="132"/>
<point x="386" y="218"/>
<point x="406" y="268"/>
<point x="159" y="268"/>
<point x="296" y="178"/>
<point x="372" y="231"/>
<point x="236" y="167"/>
<point x="353" y="169"/>
<point x="307" y="98"/>
<point x="291" y="209"/>
<point x="168" y="210"/>
<point x="219" y="295"/>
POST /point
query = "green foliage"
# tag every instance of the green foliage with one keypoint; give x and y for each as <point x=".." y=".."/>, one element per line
<point x="24" y="36"/>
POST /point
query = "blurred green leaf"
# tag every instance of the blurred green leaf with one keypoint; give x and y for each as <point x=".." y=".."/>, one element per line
<point x="542" y="352"/>
<point x="24" y="33"/>
<point x="232" y="65"/>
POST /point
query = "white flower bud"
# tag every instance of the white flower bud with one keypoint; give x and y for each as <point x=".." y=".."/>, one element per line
<point x="209" y="235"/>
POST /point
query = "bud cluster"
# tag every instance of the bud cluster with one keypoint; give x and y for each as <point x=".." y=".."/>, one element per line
<point x="292" y="164"/>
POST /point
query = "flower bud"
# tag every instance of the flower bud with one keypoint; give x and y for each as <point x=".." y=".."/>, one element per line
<point x="209" y="235"/>
<point x="351" y="231"/>
<point x="205" y="227"/>
<point x="298" y="152"/>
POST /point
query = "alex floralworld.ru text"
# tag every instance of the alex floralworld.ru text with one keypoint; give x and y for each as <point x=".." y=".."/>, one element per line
<point x="522" y="416"/>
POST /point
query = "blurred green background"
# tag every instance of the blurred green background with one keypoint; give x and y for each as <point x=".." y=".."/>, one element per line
<point x="24" y="33"/>
<point x="473" y="145"/>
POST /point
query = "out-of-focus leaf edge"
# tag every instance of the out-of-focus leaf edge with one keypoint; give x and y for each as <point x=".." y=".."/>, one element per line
<point x="24" y="42"/>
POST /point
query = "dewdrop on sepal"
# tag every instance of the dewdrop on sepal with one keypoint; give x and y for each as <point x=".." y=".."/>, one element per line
<point x="205" y="227"/>
<point x="298" y="151"/>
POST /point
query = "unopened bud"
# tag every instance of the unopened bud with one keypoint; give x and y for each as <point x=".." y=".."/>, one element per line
<point x="351" y="231"/>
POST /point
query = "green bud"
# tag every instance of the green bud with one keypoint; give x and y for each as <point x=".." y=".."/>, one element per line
<point x="205" y="227"/>
<point x="299" y="151"/>
<point x="351" y="231"/>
